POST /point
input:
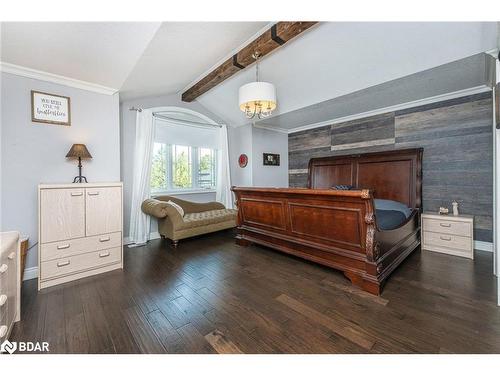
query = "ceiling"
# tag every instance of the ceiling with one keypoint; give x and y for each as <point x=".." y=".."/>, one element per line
<point x="137" y="58"/>
<point x="101" y="53"/>
<point x="331" y="69"/>
<point x="181" y="51"/>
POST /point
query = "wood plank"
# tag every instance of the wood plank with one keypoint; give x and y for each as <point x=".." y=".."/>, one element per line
<point x="221" y="343"/>
<point x="54" y="326"/>
<point x="264" y="44"/>
<point x="194" y="315"/>
<point x="173" y="313"/>
<point x="194" y="340"/>
<point x="142" y="331"/>
<point x="95" y="319"/>
<point x="167" y="334"/>
<point x="342" y="328"/>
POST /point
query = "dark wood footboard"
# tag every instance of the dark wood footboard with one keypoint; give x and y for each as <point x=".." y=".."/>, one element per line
<point x="334" y="228"/>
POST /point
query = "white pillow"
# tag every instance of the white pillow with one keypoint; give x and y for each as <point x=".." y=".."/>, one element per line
<point x="177" y="207"/>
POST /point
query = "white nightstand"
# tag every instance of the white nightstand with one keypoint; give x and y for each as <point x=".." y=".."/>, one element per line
<point x="448" y="234"/>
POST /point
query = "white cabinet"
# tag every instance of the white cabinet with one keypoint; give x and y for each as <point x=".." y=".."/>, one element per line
<point x="80" y="231"/>
<point x="10" y="283"/>
<point x="64" y="214"/>
<point x="101" y="212"/>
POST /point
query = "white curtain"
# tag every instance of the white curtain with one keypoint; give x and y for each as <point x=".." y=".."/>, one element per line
<point x="144" y="138"/>
<point x="224" y="194"/>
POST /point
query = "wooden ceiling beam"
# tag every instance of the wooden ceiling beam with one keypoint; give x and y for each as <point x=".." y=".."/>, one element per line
<point x="273" y="38"/>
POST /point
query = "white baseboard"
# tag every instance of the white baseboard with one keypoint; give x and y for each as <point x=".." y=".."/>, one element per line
<point x="152" y="236"/>
<point x="483" y="246"/>
<point x="30" y="273"/>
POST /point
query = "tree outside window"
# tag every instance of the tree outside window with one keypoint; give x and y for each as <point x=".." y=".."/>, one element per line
<point x="178" y="167"/>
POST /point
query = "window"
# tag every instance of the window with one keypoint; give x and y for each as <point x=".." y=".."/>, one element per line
<point x="178" y="167"/>
<point x="206" y="168"/>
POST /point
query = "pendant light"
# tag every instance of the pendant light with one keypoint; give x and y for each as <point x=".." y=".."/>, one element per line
<point x="257" y="98"/>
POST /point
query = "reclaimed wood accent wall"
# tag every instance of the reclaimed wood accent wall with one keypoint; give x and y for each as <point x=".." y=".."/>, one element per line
<point x="458" y="151"/>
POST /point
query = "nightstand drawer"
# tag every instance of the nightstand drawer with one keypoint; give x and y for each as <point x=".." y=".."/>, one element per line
<point x="458" y="228"/>
<point x="447" y="240"/>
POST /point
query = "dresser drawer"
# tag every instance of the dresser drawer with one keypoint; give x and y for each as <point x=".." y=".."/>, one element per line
<point x="458" y="228"/>
<point x="63" y="249"/>
<point x="78" y="263"/>
<point x="447" y="240"/>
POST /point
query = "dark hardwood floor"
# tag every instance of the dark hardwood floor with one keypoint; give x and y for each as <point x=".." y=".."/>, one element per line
<point x="211" y="296"/>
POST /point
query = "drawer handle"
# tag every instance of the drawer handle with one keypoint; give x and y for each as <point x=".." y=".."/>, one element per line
<point x="60" y="247"/>
<point x="93" y="193"/>
<point x="3" y="331"/>
<point x="445" y="238"/>
<point x="4" y="268"/>
<point x="104" y="255"/>
<point x="77" y="194"/>
<point x="446" y="225"/>
<point x="12" y="255"/>
<point x="3" y="299"/>
<point x="62" y="264"/>
<point x="104" y="239"/>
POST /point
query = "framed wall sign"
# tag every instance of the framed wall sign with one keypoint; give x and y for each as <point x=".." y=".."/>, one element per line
<point x="271" y="159"/>
<point x="50" y="109"/>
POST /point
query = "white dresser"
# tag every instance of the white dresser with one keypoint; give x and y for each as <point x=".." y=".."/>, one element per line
<point x="448" y="234"/>
<point x="10" y="282"/>
<point x="80" y="231"/>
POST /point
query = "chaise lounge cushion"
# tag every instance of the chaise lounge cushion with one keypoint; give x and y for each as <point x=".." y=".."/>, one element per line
<point x="198" y="219"/>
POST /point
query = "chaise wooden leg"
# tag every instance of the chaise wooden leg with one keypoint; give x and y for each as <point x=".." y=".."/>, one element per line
<point x="174" y="244"/>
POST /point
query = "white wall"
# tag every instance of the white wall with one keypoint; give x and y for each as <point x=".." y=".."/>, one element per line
<point x="264" y="140"/>
<point x="240" y="142"/>
<point x="127" y="139"/>
<point x="254" y="142"/>
<point x="32" y="153"/>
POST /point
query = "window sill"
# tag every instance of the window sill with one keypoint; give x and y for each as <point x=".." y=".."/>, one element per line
<point x="182" y="192"/>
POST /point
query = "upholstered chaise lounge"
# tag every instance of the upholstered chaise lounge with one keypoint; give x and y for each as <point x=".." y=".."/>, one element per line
<point x="199" y="218"/>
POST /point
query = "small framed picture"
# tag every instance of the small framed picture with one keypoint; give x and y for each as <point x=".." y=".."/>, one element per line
<point x="50" y="109"/>
<point x="271" y="159"/>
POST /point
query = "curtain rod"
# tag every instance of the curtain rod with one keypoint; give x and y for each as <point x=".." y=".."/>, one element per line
<point x="187" y="122"/>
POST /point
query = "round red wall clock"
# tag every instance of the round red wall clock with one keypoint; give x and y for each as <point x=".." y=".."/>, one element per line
<point x="243" y="160"/>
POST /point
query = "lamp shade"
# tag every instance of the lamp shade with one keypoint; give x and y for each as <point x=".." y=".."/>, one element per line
<point x="257" y="94"/>
<point x="79" y="150"/>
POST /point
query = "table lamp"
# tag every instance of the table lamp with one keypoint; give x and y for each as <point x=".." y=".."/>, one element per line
<point x="79" y="151"/>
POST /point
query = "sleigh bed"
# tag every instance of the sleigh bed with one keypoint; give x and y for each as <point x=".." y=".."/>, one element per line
<point x="342" y="229"/>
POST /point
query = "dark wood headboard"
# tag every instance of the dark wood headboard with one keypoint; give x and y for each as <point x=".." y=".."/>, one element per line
<point x="395" y="175"/>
